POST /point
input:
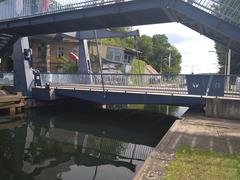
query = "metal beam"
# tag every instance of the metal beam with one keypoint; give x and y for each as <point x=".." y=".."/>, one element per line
<point x="208" y="21"/>
<point x="102" y="33"/>
<point x="127" y="14"/>
<point x="23" y="75"/>
<point x="130" y="98"/>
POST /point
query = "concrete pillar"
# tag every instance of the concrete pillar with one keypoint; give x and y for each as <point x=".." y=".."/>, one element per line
<point x="23" y="75"/>
<point x="48" y="55"/>
<point x="84" y="65"/>
<point x="223" y="108"/>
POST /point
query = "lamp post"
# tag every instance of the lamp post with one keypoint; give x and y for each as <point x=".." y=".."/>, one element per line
<point x="169" y="61"/>
<point x="229" y="68"/>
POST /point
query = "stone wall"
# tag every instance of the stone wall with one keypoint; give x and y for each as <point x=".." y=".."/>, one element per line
<point x="223" y="108"/>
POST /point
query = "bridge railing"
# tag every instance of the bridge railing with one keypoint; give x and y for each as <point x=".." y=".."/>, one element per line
<point x="204" y="85"/>
<point x="228" y="10"/>
<point x="11" y="9"/>
<point x="152" y="82"/>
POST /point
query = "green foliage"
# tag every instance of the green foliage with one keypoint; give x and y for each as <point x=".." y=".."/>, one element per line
<point x="155" y="50"/>
<point x="222" y="54"/>
<point x="202" y="164"/>
<point x="67" y="65"/>
<point x="145" y="45"/>
<point x="138" y="67"/>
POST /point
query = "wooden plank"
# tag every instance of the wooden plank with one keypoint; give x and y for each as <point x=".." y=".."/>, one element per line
<point x="13" y="105"/>
<point x="10" y="98"/>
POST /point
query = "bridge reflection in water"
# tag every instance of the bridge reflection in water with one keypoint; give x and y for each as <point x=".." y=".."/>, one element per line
<point x="78" y="147"/>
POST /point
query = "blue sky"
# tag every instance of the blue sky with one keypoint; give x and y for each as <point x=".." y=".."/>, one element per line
<point x="193" y="46"/>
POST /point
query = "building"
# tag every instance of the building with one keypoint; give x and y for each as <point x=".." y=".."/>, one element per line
<point x="47" y="49"/>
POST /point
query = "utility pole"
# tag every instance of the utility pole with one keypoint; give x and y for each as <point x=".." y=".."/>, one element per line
<point x="229" y="68"/>
<point x="229" y="62"/>
<point x="169" y="61"/>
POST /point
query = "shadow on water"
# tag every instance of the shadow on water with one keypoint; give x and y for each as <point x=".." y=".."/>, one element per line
<point x="85" y="144"/>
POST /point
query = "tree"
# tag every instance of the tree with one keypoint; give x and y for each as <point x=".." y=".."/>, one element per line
<point x="67" y="65"/>
<point x="156" y="51"/>
<point x="145" y="45"/>
<point x="222" y="54"/>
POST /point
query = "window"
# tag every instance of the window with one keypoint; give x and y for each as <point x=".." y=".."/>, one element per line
<point x="118" y="55"/>
<point x="130" y="59"/>
<point x="114" y="54"/>
<point x="41" y="51"/>
<point x="60" y="52"/>
<point x="125" y="58"/>
<point x="110" y="54"/>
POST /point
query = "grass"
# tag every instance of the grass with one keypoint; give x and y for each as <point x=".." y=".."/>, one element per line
<point x="196" y="164"/>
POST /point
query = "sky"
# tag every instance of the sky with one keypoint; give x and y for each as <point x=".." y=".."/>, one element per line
<point x="198" y="52"/>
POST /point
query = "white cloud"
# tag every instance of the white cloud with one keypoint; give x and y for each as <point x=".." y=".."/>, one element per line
<point x="193" y="46"/>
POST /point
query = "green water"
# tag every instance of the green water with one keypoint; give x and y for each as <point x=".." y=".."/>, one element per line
<point x="79" y="145"/>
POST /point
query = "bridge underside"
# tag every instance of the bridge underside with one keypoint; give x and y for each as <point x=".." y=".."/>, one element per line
<point x="128" y="14"/>
<point x="119" y="97"/>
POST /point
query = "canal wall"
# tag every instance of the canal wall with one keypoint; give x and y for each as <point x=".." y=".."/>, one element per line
<point x="195" y="131"/>
<point x="223" y="108"/>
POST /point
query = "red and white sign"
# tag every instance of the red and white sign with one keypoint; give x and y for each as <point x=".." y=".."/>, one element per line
<point x="73" y="57"/>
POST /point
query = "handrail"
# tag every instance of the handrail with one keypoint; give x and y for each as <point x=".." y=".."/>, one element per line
<point x="18" y="9"/>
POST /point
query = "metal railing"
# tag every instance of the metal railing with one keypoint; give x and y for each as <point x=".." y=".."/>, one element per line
<point x="11" y="9"/>
<point x="203" y="85"/>
<point x="102" y="145"/>
<point x="176" y="83"/>
<point x="228" y="10"/>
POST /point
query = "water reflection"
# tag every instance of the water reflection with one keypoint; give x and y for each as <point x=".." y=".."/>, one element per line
<point x="176" y="111"/>
<point x="57" y="145"/>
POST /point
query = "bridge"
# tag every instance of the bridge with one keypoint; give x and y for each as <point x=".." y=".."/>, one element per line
<point x="180" y="90"/>
<point x="216" y="20"/>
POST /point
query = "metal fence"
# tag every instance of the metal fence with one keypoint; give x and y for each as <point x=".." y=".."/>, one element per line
<point x="10" y="9"/>
<point x="204" y="85"/>
<point x="176" y="83"/>
<point x="228" y="10"/>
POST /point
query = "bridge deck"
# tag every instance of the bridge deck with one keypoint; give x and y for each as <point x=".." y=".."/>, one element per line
<point x="120" y="95"/>
<point x="114" y="94"/>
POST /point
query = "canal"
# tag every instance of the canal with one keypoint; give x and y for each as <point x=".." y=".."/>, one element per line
<point x="85" y="144"/>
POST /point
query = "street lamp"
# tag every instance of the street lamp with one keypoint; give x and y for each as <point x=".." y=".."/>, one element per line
<point x="169" y="61"/>
<point x="227" y="66"/>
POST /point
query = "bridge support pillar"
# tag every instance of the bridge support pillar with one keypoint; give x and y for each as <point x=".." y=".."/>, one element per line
<point x="84" y="64"/>
<point x="23" y="74"/>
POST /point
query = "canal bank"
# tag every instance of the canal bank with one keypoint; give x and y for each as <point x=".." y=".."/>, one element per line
<point x="196" y="132"/>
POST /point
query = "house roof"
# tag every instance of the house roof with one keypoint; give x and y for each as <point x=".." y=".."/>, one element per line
<point x="54" y="38"/>
<point x="150" y="69"/>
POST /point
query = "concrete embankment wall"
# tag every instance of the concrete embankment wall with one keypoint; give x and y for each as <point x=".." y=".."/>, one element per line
<point x="223" y="108"/>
